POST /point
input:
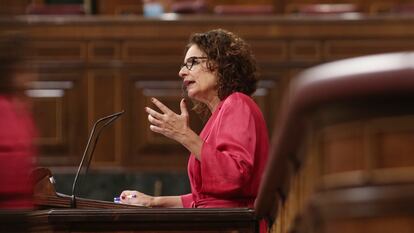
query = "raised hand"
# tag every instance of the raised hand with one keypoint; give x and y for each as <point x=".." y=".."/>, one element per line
<point x="174" y="126"/>
<point x="168" y="123"/>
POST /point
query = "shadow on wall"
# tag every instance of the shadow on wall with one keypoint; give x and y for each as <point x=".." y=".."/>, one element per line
<point x="106" y="186"/>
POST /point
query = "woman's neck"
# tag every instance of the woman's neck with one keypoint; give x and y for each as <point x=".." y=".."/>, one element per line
<point x="213" y="103"/>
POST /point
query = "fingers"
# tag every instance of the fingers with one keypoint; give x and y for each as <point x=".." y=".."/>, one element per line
<point x="153" y="113"/>
<point x="155" y="124"/>
<point x="161" y="106"/>
<point x="135" y="198"/>
<point x="127" y="195"/>
<point x="156" y="129"/>
<point x="168" y="123"/>
<point x="153" y="120"/>
<point x="183" y="108"/>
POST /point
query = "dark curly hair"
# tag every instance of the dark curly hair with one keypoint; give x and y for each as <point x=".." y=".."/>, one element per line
<point x="231" y="57"/>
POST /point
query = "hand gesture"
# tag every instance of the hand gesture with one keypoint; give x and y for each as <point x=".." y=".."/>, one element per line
<point x="168" y="123"/>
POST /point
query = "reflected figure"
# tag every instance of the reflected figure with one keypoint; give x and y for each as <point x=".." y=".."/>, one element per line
<point x="17" y="131"/>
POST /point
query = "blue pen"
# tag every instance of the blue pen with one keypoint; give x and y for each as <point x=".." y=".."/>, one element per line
<point x="117" y="200"/>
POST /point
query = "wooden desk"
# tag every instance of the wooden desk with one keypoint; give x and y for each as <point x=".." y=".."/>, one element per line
<point x="144" y="220"/>
<point x="101" y="216"/>
<point x="14" y="221"/>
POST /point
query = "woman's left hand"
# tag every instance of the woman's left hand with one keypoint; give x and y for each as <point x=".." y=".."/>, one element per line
<point x="168" y="123"/>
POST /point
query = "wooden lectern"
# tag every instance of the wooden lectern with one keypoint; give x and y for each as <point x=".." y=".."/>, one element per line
<point x="56" y="215"/>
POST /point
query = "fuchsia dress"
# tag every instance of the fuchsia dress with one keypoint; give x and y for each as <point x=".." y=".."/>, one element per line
<point x="233" y="156"/>
<point x="16" y="155"/>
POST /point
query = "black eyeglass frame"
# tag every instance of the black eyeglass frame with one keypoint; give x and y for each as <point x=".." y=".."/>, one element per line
<point x="191" y="61"/>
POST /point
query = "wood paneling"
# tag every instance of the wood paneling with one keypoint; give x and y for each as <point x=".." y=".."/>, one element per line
<point x="341" y="156"/>
<point x="336" y="49"/>
<point x="110" y="64"/>
<point x="128" y="7"/>
<point x="55" y="98"/>
<point x="167" y="51"/>
<point x="361" y="183"/>
<point x="145" y="220"/>
<point x="370" y="225"/>
<point x="341" y="148"/>
<point x="13" y="7"/>
<point x="58" y="50"/>
<point x="305" y="50"/>
<point x="104" y="51"/>
<point x="105" y="98"/>
<point x="270" y="51"/>
<point x="391" y="140"/>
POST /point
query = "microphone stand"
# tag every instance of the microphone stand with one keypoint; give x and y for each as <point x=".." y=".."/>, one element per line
<point x="109" y="119"/>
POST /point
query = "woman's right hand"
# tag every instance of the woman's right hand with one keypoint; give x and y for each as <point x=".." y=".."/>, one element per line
<point x="133" y="197"/>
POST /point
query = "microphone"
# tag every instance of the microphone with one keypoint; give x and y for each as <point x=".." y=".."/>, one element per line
<point x="107" y="120"/>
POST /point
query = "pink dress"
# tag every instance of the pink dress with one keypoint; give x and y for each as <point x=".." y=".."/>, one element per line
<point x="16" y="155"/>
<point x="233" y="156"/>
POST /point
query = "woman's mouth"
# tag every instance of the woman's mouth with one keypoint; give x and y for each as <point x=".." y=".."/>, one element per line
<point x="188" y="83"/>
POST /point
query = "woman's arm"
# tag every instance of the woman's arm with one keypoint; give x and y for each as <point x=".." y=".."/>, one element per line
<point x="167" y="201"/>
<point x="133" y="197"/>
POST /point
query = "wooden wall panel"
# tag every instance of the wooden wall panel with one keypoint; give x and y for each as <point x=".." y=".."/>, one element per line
<point x="13" y="7"/>
<point x="396" y="223"/>
<point x="359" y="184"/>
<point x="366" y="6"/>
<point x="113" y="61"/>
<point x="377" y="151"/>
<point x="268" y="99"/>
<point x="104" y="51"/>
<point x="113" y="7"/>
<point x="154" y="51"/>
<point x="58" y="50"/>
<point x="338" y="49"/>
<point x="305" y="50"/>
<point x="57" y="109"/>
<point x="104" y="98"/>
<point x="342" y="148"/>
<point x="270" y="51"/>
<point x="49" y="111"/>
<point x="391" y="142"/>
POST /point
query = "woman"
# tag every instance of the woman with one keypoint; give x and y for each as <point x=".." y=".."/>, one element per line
<point x="228" y="157"/>
<point x="17" y="152"/>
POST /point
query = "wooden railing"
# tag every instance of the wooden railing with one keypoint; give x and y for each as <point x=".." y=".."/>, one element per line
<point x="341" y="158"/>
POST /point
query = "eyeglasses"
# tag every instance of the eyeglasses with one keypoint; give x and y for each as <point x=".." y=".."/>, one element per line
<point x="191" y="62"/>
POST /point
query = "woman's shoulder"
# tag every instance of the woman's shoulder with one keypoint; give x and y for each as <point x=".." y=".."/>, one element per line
<point x="238" y="98"/>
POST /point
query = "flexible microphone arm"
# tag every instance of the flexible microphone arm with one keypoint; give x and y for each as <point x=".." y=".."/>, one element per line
<point x="108" y="120"/>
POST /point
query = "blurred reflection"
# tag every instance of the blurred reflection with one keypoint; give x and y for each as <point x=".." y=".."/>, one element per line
<point x="17" y="131"/>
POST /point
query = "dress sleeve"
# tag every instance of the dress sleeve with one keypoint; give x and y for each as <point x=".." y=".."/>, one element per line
<point x="187" y="200"/>
<point x="228" y="154"/>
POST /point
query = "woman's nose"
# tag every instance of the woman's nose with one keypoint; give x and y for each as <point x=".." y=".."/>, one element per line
<point x="183" y="72"/>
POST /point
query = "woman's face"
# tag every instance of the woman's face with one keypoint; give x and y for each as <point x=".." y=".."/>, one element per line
<point x="199" y="81"/>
